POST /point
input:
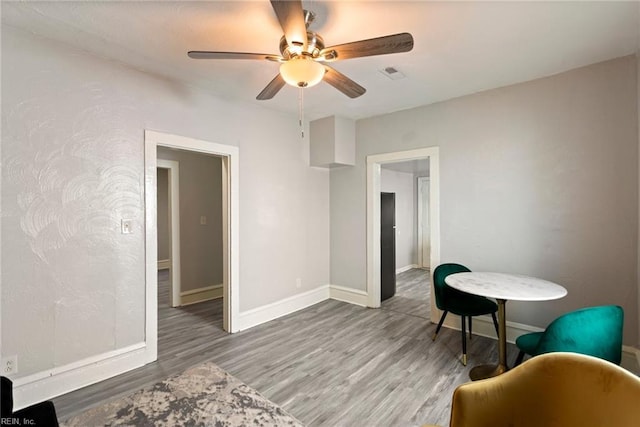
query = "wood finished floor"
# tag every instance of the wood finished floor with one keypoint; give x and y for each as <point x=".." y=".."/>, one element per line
<point x="332" y="364"/>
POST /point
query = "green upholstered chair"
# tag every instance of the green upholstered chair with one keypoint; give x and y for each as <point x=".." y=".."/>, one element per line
<point x="460" y="303"/>
<point x="595" y="331"/>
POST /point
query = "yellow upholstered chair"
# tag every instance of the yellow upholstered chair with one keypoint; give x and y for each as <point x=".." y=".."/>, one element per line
<point x="553" y="389"/>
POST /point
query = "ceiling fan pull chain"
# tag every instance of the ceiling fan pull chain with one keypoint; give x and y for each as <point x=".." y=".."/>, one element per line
<point x="301" y="111"/>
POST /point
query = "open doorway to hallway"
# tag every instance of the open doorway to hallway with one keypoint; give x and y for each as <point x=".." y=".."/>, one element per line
<point x="407" y="181"/>
<point x="375" y="163"/>
<point x="229" y="174"/>
<point x="190" y="243"/>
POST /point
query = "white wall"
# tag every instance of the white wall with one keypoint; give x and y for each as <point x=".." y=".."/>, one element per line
<point x="164" y="250"/>
<point x="72" y="167"/>
<point x="538" y="178"/>
<point x="200" y="195"/>
<point x="403" y="185"/>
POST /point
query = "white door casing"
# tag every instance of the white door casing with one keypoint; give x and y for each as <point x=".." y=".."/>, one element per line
<point x="230" y="228"/>
<point x="424" y="231"/>
<point x="173" y="168"/>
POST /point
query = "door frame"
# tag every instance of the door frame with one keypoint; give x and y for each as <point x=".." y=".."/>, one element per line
<point x="173" y="168"/>
<point x="374" y="163"/>
<point x="230" y="228"/>
<point x="422" y="181"/>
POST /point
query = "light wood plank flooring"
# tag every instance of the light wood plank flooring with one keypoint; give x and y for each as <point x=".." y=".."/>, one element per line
<point x="332" y="364"/>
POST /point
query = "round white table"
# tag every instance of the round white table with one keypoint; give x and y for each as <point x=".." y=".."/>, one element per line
<point x="503" y="287"/>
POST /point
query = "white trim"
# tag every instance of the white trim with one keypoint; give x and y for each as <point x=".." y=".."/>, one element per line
<point x="173" y="168"/>
<point x="483" y="326"/>
<point x="374" y="163"/>
<point x="57" y="381"/>
<point x="206" y="293"/>
<point x="164" y="264"/>
<point x="631" y="359"/>
<point x="406" y="268"/>
<point x="257" y="316"/>
<point x="151" y="249"/>
<point x="344" y="294"/>
<point x="231" y="230"/>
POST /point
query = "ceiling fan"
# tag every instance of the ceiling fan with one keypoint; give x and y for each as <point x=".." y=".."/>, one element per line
<point x="303" y="56"/>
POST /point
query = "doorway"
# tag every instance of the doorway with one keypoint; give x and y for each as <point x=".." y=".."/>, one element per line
<point x="230" y="231"/>
<point x="374" y="165"/>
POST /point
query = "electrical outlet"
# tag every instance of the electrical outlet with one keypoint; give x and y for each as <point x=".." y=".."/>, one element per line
<point x="10" y="365"/>
<point x="298" y="283"/>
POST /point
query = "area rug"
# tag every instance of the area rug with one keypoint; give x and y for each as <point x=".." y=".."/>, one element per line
<point x="201" y="396"/>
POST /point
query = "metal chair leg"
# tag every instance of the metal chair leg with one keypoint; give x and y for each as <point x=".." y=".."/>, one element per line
<point x="444" y="314"/>
<point x="464" y="343"/>
<point x="495" y="324"/>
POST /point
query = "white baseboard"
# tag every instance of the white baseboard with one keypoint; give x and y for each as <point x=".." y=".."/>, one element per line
<point x="631" y="359"/>
<point x="201" y="294"/>
<point x="483" y="326"/>
<point x="57" y="381"/>
<point x="352" y="296"/>
<point x="406" y="268"/>
<point x="257" y="316"/>
<point x="164" y="264"/>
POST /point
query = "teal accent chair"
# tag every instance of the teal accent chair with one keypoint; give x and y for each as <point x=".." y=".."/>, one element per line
<point x="459" y="303"/>
<point x="594" y="331"/>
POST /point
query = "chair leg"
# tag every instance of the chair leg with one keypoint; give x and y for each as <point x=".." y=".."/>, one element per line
<point x="464" y="343"/>
<point x="519" y="359"/>
<point x="470" y="317"/>
<point x="495" y="324"/>
<point x="444" y="314"/>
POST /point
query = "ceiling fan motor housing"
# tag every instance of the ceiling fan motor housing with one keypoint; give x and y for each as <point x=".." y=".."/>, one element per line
<point x="315" y="44"/>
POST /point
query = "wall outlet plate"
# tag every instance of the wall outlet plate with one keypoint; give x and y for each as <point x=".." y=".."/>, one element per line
<point x="10" y="365"/>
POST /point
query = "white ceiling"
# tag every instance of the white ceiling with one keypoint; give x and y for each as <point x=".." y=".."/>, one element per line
<point x="460" y="47"/>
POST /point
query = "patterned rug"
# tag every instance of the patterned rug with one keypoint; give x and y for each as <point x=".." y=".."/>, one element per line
<point x="201" y="396"/>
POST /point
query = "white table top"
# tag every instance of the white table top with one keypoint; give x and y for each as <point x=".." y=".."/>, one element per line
<point x="505" y="286"/>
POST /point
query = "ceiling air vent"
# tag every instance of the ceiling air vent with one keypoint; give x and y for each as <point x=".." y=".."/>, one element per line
<point x="393" y="73"/>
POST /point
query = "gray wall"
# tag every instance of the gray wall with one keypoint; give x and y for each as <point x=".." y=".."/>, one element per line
<point x="538" y="178"/>
<point x="73" y="126"/>
<point x="163" y="214"/>
<point x="403" y="185"/>
<point x="200" y="195"/>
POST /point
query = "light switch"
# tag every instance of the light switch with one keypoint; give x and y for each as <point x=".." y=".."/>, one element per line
<point x="203" y="220"/>
<point x="127" y="226"/>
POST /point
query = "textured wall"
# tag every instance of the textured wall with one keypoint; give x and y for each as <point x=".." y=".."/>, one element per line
<point x="538" y="178"/>
<point x="200" y="195"/>
<point x="73" y="166"/>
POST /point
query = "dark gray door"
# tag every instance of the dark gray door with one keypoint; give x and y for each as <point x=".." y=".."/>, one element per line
<point x="387" y="245"/>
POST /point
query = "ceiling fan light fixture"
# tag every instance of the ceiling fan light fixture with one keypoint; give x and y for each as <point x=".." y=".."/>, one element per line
<point x="301" y="71"/>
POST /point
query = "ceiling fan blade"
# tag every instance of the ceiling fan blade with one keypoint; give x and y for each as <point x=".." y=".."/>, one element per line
<point x="271" y="89"/>
<point x="201" y="54"/>
<point x="343" y="83"/>
<point x="291" y="17"/>
<point x="395" y="43"/>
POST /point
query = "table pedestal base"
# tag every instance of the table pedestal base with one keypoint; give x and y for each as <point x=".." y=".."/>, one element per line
<point x="486" y="371"/>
